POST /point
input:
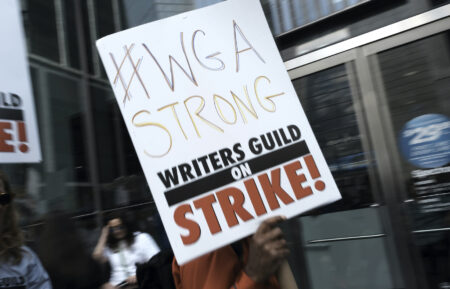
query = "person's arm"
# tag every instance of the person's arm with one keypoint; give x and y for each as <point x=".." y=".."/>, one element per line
<point x="98" y="253"/>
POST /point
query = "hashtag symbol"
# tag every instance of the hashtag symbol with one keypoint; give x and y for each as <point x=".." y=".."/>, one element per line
<point x="135" y="67"/>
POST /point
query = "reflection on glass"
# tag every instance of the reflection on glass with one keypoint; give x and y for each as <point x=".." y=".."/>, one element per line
<point x="105" y="119"/>
<point x="126" y="191"/>
<point x="326" y="97"/>
<point x="121" y="176"/>
<point x="349" y="265"/>
<point x="360" y="222"/>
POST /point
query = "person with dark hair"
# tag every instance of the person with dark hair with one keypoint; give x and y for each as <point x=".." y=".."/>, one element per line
<point x="66" y="258"/>
<point x="20" y="268"/>
<point x="123" y="249"/>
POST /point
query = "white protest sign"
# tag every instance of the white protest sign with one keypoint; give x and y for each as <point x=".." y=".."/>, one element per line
<point x="19" y="138"/>
<point x="218" y="128"/>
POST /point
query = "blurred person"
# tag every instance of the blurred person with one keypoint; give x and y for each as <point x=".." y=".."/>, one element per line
<point x="123" y="249"/>
<point x="66" y="258"/>
<point x="251" y="263"/>
<point x="20" y="268"/>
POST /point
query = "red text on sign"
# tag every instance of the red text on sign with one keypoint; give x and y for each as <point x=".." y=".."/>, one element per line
<point x="231" y="200"/>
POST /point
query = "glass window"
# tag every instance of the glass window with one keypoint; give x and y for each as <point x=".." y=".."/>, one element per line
<point x="341" y="245"/>
<point x="61" y="180"/>
<point x="285" y="15"/>
<point x="88" y="37"/>
<point x="282" y="15"/>
<point x="137" y="12"/>
<point x="66" y="132"/>
<point x="416" y="83"/>
<point x="104" y="23"/>
<point x="106" y="117"/>
<point x="40" y="26"/>
<point x="349" y="264"/>
<point x="104" y="17"/>
<point x="123" y="182"/>
<point x="327" y="98"/>
<point x="71" y="34"/>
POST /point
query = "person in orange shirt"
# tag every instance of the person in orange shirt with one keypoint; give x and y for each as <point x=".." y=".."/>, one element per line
<point x="262" y="255"/>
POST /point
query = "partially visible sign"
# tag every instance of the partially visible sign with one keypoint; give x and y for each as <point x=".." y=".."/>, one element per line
<point x="19" y="138"/>
<point x="425" y="141"/>
<point x="218" y="128"/>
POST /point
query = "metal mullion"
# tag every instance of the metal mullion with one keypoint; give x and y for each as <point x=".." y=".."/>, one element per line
<point x="130" y="207"/>
<point x="118" y="25"/>
<point x="88" y="115"/>
<point x="392" y="212"/>
<point x="37" y="61"/>
<point x="47" y="135"/>
<point x="431" y="231"/>
<point x="293" y="230"/>
<point x="276" y="21"/>
<point x="371" y="37"/>
<point x="409" y="36"/>
<point x="93" y="34"/>
<point x="363" y="130"/>
<point x="319" y="65"/>
<point x="61" y="32"/>
<point x="120" y="150"/>
<point x="351" y="238"/>
<point x="387" y="125"/>
<point x="387" y="218"/>
<point x="118" y="133"/>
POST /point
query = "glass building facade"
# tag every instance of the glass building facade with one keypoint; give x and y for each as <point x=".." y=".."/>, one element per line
<point x="364" y="72"/>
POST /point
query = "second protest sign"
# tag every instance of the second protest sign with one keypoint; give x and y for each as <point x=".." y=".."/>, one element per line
<point x="216" y="123"/>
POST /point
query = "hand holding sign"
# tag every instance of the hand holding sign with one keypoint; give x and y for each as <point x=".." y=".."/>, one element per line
<point x="267" y="251"/>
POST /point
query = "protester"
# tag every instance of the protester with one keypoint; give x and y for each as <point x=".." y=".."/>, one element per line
<point x="66" y="258"/>
<point x="251" y="264"/>
<point x="123" y="249"/>
<point x="19" y="266"/>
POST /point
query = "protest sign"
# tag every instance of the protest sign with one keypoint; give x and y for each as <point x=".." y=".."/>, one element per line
<point x="216" y="123"/>
<point x="19" y="138"/>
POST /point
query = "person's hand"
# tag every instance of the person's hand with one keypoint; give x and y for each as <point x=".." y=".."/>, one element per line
<point x="105" y="231"/>
<point x="132" y="280"/>
<point x="267" y="251"/>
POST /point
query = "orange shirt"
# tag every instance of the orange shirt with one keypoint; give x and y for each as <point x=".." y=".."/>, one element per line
<point x="220" y="269"/>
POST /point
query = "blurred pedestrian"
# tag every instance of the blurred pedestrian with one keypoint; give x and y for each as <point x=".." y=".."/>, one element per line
<point x="123" y="249"/>
<point x="19" y="266"/>
<point x="66" y="258"/>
